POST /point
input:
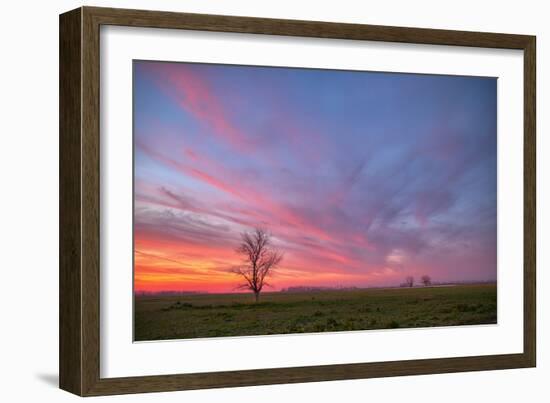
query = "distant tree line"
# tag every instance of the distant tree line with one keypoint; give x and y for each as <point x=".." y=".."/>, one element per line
<point x="425" y="280"/>
<point x="167" y="293"/>
<point x="314" y="288"/>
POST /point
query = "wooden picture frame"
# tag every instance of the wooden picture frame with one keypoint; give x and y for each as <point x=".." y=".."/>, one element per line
<point x="79" y="348"/>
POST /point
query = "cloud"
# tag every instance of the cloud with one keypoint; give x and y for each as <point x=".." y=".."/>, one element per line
<point x="191" y="92"/>
<point x="413" y="191"/>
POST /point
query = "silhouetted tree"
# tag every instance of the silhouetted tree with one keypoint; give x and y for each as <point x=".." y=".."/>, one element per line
<point x="259" y="260"/>
<point x="409" y="281"/>
<point x="426" y="280"/>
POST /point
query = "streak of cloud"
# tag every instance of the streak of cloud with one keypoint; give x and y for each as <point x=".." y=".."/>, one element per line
<point x="362" y="177"/>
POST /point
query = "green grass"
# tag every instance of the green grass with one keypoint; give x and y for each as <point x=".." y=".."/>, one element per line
<point x="216" y="315"/>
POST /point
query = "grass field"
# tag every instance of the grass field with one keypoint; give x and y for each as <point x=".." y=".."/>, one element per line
<point x="215" y="315"/>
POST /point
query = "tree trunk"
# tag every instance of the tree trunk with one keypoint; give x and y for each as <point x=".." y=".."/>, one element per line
<point x="257" y="296"/>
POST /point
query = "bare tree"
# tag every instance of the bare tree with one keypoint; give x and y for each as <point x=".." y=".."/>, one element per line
<point x="409" y="281"/>
<point x="426" y="280"/>
<point x="259" y="260"/>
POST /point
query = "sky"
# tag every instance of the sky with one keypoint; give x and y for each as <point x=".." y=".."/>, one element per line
<point x="362" y="178"/>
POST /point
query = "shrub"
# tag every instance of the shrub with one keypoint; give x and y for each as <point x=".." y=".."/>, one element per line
<point x="393" y="325"/>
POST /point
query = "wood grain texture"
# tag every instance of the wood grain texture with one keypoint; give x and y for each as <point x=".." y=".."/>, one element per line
<point x="80" y="201"/>
<point x="317" y="29"/>
<point x="70" y="314"/>
<point x="530" y="202"/>
<point x="304" y="374"/>
<point x="90" y="202"/>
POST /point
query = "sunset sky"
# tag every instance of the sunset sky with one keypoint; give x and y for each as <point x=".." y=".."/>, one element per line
<point x="362" y="178"/>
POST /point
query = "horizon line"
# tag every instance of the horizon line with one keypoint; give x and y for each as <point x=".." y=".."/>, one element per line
<point x="314" y="288"/>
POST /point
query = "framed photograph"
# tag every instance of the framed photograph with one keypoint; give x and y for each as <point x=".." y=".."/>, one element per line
<point x="248" y="201"/>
